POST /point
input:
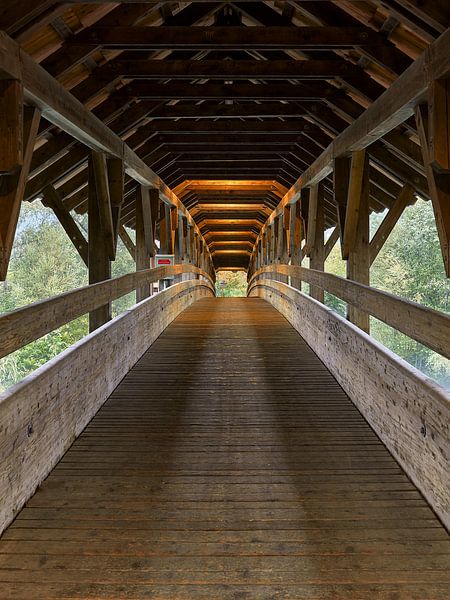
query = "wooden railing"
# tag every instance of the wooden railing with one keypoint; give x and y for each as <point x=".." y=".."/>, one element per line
<point x="42" y="415"/>
<point x="425" y="325"/>
<point x="24" y="325"/>
<point x="408" y="411"/>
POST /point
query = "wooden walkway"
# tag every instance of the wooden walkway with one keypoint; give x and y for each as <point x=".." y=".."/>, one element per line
<point x="228" y="465"/>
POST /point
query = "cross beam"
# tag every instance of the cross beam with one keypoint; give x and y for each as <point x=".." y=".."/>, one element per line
<point x="228" y="38"/>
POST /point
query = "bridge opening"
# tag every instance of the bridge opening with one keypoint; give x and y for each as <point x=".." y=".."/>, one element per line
<point x="234" y="384"/>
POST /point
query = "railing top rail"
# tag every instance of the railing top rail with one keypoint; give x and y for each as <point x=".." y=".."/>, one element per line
<point x="425" y="325"/>
<point x="24" y="325"/>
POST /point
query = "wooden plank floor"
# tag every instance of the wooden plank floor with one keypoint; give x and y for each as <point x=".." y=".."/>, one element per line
<point x="228" y="465"/>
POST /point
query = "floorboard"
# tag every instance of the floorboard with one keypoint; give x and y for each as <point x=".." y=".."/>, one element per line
<point x="227" y="465"/>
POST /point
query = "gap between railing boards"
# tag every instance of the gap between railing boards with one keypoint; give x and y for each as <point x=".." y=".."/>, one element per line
<point x="425" y="325"/>
<point x="29" y="323"/>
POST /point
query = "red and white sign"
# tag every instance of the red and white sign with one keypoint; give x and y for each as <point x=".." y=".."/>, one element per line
<point x="163" y="260"/>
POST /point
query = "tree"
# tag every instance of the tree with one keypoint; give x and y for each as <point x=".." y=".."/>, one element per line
<point x="409" y="265"/>
<point x="231" y="283"/>
<point x="44" y="263"/>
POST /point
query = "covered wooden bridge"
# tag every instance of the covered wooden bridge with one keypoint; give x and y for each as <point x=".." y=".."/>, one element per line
<point x="196" y="447"/>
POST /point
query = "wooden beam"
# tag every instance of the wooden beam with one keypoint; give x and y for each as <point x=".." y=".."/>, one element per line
<point x="404" y="198"/>
<point x="312" y="219"/>
<point x="317" y="254"/>
<point x="433" y="12"/>
<point x="226" y="69"/>
<point x="227" y="38"/>
<point x="357" y="240"/>
<point x="12" y="183"/>
<point x="52" y="199"/>
<point x="98" y="255"/>
<point x="358" y="176"/>
<point x="74" y="386"/>
<point x="127" y="241"/>
<point x="144" y="238"/>
<point x="421" y="323"/>
<point x="228" y="126"/>
<point x="296" y="258"/>
<point x="341" y="181"/>
<point x="116" y="178"/>
<point x="438" y="184"/>
<point x="15" y="15"/>
<point x="401" y="404"/>
<point x="229" y="111"/>
<point x="391" y="109"/>
<point x="62" y="109"/>
<point x="219" y="91"/>
<point x="11" y="126"/>
<point x="101" y="182"/>
<point x="331" y="242"/>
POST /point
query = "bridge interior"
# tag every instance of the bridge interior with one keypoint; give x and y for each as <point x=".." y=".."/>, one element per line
<point x="224" y="468"/>
<point x="196" y="447"/>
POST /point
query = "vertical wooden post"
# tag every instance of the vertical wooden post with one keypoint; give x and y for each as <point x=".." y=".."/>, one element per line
<point x="296" y="241"/>
<point x="358" y="181"/>
<point x="341" y="180"/>
<point x="144" y="237"/>
<point x="358" y="263"/>
<point x="18" y="129"/>
<point x="116" y="178"/>
<point x="272" y="230"/>
<point x="434" y="133"/>
<point x="317" y="256"/>
<point x="98" y="254"/>
<point x="173" y="212"/>
<point x="165" y="234"/>
<point x="281" y="245"/>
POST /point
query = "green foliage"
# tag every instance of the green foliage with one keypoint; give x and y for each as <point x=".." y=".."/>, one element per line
<point x="409" y="265"/>
<point x="231" y="284"/>
<point x="44" y="263"/>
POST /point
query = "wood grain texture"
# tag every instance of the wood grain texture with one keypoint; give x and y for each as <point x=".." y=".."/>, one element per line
<point x="227" y="464"/>
<point x="409" y="411"/>
<point x="24" y="325"/>
<point x="425" y="325"/>
<point x="41" y="416"/>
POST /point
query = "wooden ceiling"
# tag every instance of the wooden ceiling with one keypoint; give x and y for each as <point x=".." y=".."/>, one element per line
<point x="228" y="102"/>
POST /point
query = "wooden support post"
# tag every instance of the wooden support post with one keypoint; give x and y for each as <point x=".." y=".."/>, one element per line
<point x="358" y="176"/>
<point x="296" y="257"/>
<point x="191" y="245"/>
<point x="53" y="200"/>
<point x="165" y="233"/>
<point x="11" y="126"/>
<point x="99" y="250"/>
<point x="331" y="242"/>
<point x="317" y="254"/>
<point x="358" y="263"/>
<point x="435" y="145"/>
<point x="404" y="198"/>
<point x="281" y="245"/>
<point x="272" y="237"/>
<point x="313" y="208"/>
<point x="266" y="247"/>
<point x="116" y="175"/>
<point x="18" y="129"/>
<point x="341" y="180"/>
<point x="179" y="238"/>
<point x="144" y="237"/>
<point x="184" y="239"/>
<point x="127" y="241"/>
<point x="101" y="182"/>
<point x="174" y="229"/>
<point x="155" y="203"/>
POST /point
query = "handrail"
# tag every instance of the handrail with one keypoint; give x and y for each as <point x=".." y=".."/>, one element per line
<point x="27" y="324"/>
<point x="425" y="325"/>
